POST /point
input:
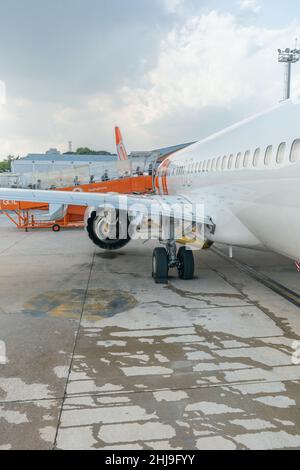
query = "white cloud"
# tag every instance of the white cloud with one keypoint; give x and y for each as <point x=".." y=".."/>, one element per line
<point x="211" y="61"/>
<point x="172" y="5"/>
<point x="250" y="5"/>
<point x="210" y="71"/>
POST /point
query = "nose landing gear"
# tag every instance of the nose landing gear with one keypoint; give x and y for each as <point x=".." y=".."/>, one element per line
<point x="165" y="258"/>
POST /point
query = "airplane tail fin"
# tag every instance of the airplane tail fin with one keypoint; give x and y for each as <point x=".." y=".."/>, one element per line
<point x="122" y="154"/>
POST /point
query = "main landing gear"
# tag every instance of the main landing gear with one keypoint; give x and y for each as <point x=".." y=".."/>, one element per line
<point x="166" y="258"/>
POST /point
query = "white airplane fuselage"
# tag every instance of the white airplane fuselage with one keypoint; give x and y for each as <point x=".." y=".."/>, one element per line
<point x="248" y="179"/>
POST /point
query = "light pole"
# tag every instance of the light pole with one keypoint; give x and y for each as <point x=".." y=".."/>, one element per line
<point x="288" y="57"/>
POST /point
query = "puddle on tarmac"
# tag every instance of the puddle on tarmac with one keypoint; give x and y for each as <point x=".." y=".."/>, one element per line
<point x="98" y="304"/>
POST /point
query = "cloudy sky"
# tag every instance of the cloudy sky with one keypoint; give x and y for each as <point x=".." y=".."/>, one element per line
<point x="166" y="71"/>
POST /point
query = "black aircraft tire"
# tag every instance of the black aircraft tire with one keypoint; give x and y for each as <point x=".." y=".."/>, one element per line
<point x="186" y="266"/>
<point x="107" y="244"/>
<point x="160" y="266"/>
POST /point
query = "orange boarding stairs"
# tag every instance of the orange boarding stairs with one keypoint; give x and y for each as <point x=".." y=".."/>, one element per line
<point x="20" y="213"/>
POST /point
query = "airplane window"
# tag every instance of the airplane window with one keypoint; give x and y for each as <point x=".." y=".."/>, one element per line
<point x="204" y="166"/>
<point x="230" y="162"/>
<point x="224" y="162"/>
<point x="281" y="153"/>
<point x="246" y="159"/>
<point x="295" y="152"/>
<point x="238" y="160"/>
<point x="218" y="164"/>
<point x="213" y="164"/>
<point x="268" y="155"/>
<point x="256" y="157"/>
<point x="208" y="165"/>
<point x="200" y="167"/>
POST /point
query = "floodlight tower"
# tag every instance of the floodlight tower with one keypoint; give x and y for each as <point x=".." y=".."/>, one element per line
<point x="288" y="57"/>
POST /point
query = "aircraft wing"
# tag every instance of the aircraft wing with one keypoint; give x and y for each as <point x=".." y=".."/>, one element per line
<point x="176" y="207"/>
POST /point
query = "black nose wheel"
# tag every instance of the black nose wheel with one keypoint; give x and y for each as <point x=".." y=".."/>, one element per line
<point x="160" y="266"/>
<point x="186" y="264"/>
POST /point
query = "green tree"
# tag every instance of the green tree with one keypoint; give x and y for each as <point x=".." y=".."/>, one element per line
<point x="88" y="151"/>
<point x="5" y="164"/>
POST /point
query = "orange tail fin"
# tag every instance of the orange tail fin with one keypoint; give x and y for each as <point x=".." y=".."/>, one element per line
<point x="122" y="154"/>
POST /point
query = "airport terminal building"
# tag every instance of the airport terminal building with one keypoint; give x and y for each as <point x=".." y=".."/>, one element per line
<point x="53" y="160"/>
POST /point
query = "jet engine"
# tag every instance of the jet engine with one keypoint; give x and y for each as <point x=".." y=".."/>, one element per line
<point x="107" y="228"/>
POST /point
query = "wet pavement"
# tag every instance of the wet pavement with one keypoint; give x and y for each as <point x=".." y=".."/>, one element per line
<point x="98" y="356"/>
